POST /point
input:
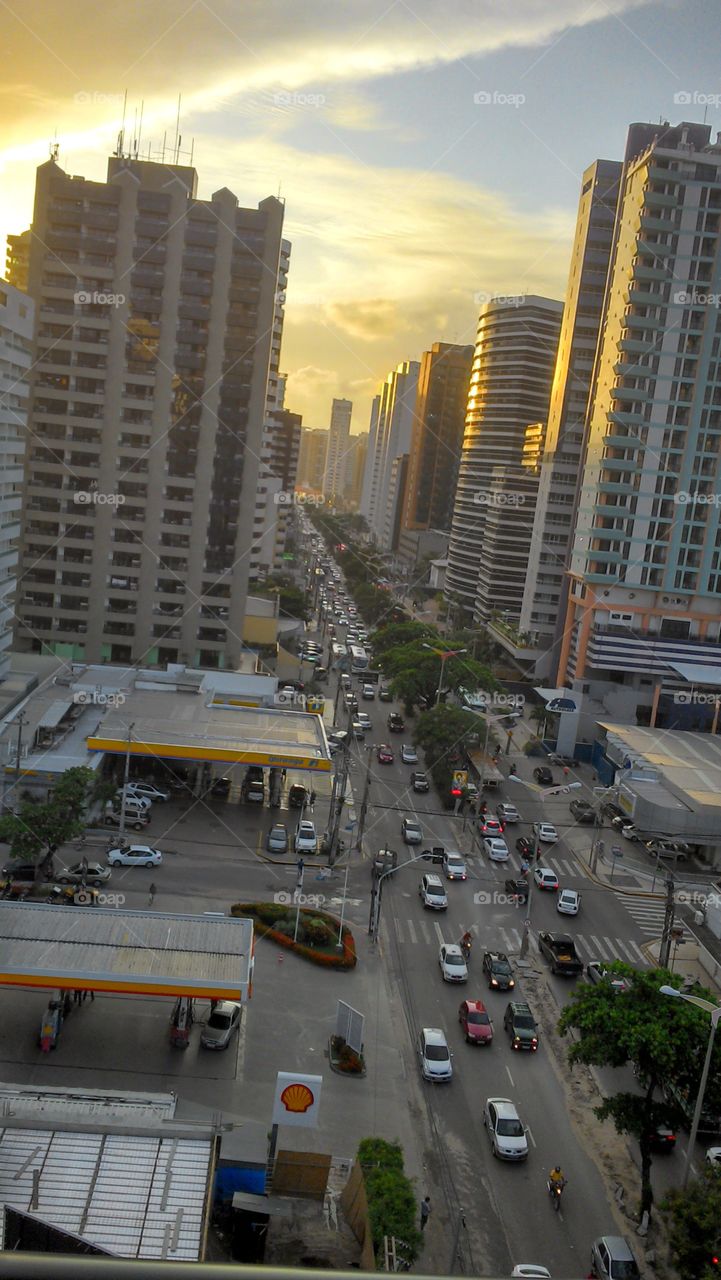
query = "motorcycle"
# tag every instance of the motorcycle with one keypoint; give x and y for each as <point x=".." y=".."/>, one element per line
<point x="555" y="1191"/>
<point x="465" y="945"/>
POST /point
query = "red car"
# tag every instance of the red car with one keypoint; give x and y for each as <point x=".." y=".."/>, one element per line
<point x="385" y="755"/>
<point x="477" y="1026"/>
<point x="490" y="826"/>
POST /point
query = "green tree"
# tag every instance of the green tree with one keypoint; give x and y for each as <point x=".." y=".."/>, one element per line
<point x="664" y="1038"/>
<point x="392" y="1202"/>
<point x="694" y="1218"/>
<point x="394" y="635"/>
<point x="415" y="671"/>
<point x="292" y="602"/>
<point x="39" y="827"/>
<point x="444" y="733"/>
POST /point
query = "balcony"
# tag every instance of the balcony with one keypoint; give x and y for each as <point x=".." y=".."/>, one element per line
<point x="630" y="649"/>
<point x="659" y="200"/>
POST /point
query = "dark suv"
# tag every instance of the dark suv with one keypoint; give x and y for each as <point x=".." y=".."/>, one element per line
<point x="396" y="723"/>
<point x="520" y="1024"/>
<point x="497" y="969"/>
<point x="583" y="811"/>
<point x="543" y="775"/>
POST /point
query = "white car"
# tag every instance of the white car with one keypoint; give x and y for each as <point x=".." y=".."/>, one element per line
<point x="452" y="962"/>
<point x="530" y="1271"/>
<point x="505" y="1130"/>
<point x="147" y="790"/>
<point x="132" y="801"/>
<point x="134" y="855"/>
<point x="508" y="813"/>
<point x="368" y="691"/>
<point x="713" y="1156"/>
<point x="409" y="755"/>
<point x="306" y="840"/>
<point x="568" y="902"/>
<point x="546" y="879"/>
<point x="412" y="831"/>
<point x="496" y="848"/>
<point x="545" y="832"/>
<point x="454" y="866"/>
<point x="363" y="718"/>
<point x="434" y="1055"/>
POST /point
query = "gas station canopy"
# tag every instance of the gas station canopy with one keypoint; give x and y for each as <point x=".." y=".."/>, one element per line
<point x="137" y="952"/>
<point x="190" y="730"/>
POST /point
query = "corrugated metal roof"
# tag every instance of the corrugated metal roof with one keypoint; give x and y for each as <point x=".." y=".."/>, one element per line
<point x="138" y="951"/>
<point x="138" y="1196"/>
<point x="51" y="718"/>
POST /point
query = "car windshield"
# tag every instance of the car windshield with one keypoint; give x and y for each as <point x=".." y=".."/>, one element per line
<point x="510" y="1129"/>
<point x="436" y="1052"/>
<point x="452" y="958"/>
<point x="476" y="1019"/>
<point x="525" y="1022"/>
<point x="501" y="966"/>
<point x="624" y="1270"/>
<point x="219" y="1021"/>
<point x="453" y="861"/>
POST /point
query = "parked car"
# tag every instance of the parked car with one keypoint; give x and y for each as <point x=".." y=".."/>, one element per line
<point x="22" y="871"/>
<point x="545" y="832"/>
<point x="568" y="902"/>
<point x="134" y="855"/>
<point x="148" y="791"/>
<point x="612" y="1259"/>
<point x="277" y="841"/>
<point x="507" y="813"/>
<point x="454" y="865"/>
<point x="133" y="803"/>
<point x="611" y="811"/>
<point x="496" y="849"/>
<point x="396" y="723"/>
<point x="520" y="1025"/>
<point x="409" y="755"/>
<point x="498" y="971"/>
<point x="505" y="1130"/>
<point x="583" y="812"/>
<point x="432" y="892"/>
<point x="419" y="781"/>
<point x="306" y="840"/>
<point x="662" y="1139"/>
<point x="452" y="963"/>
<point x="530" y="1271"/>
<point x="475" y="1022"/>
<point x="84" y="872"/>
<point x="412" y="831"/>
<point x="546" y="879"/>
<point x="675" y="849"/>
<point x="630" y="831"/>
<point x="543" y="775"/>
<point x="385" y="754"/>
<point x="434" y="1055"/>
<point x="297" y="795"/>
<point x="221" y="1026"/>
<point x="136" y="819"/>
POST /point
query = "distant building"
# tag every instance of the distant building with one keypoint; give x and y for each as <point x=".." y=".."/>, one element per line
<point x="16" y="338"/>
<point x="311" y="462"/>
<point x="334" y="478"/>
<point x="17" y="260"/>
<point x="391" y="429"/>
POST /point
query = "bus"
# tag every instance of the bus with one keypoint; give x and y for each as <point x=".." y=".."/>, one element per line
<point x="358" y="659"/>
<point x="338" y="650"/>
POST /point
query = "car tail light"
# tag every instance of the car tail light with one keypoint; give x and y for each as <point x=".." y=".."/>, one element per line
<point x="534" y="1042"/>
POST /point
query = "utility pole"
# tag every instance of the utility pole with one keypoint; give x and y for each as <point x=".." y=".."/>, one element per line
<point x="126" y="775"/>
<point x="364" y="802"/>
<point x="18" y="754"/>
<point x="665" y="948"/>
<point x="338" y="793"/>
<point x="531" y="881"/>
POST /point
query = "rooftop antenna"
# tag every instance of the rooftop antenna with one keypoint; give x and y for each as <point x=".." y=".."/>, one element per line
<point x="140" y="127"/>
<point x="54" y="151"/>
<point x="176" y="149"/>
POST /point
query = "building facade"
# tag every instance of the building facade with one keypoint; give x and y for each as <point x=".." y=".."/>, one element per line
<point x="510" y="387"/>
<point x="543" y="608"/>
<point x="355" y="468"/>
<point x="311" y="461"/>
<point x="390" y="433"/>
<point x="644" y="609"/>
<point x="437" y="437"/>
<point x="155" y="318"/>
<point x="16" y="338"/>
<point x="334" y="478"/>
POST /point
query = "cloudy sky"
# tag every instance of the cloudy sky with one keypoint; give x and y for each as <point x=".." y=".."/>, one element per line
<point x="428" y="153"/>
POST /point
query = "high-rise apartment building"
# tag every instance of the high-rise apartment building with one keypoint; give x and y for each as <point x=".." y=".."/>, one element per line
<point x="391" y="429"/>
<point x="155" y="319"/>
<point x="355" y="467"/>
<point x="335" y="463"/>
<point x="16" y="336"/>
<point x="510" y="387"/>
<point x="644" y="610"/>
<point x="311" y="462"/>
<point x="17" y="260"/>
<point x="543" y="608"/>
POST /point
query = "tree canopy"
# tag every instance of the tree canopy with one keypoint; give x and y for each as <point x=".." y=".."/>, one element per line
<point x="694" y="1218"/>
<point x="39" y="827"/>
<point x="665" y="1039"/>
<point x="443" y="733"/>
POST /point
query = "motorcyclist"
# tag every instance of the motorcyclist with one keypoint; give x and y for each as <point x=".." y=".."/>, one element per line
<point x="556" y="1178"/>
<point x="466" y="941"/>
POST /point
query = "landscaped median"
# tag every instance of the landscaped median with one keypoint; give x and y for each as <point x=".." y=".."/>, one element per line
<point x="318" y="933"/>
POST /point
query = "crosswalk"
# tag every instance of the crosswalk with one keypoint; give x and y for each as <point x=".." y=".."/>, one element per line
<point x="426" y="931"/>
<point x="648" y="913"/>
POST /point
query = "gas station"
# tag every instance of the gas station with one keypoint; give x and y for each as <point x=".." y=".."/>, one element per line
<point x="182" y="956"/>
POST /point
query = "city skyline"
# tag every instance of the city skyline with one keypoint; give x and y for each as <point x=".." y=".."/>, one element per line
<point x="366" y="125"/>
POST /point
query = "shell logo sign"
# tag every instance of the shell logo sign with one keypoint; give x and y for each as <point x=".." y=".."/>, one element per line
<point x="297" y="1099"/>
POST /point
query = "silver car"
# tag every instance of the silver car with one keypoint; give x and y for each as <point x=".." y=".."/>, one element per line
<point x="93" y="873"/>
<point x="221" y="1026"/>
<point x="277" y="841"/>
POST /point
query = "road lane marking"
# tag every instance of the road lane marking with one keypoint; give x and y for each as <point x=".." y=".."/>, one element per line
<point x="642" y="958"/>
<point x="597" y="945"/>
<point x="615" y="951"/>
<point x="530" y="1135"/>
<point x="397" y="924"/>
<point x="439" y="933"/>
<point x="510" y="1077"/>
<point x="424" y="930"/>
<point x="411" y="931"/>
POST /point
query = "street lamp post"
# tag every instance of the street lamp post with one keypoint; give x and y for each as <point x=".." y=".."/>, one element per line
<point x="444" y="655"/>
<point x="715" y="1011"/>
<point x="126" y="776"/>
<point x="375" y="913"/>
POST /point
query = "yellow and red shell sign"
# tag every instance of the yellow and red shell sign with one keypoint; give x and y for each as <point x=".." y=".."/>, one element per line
<point x="297" y="1097"/>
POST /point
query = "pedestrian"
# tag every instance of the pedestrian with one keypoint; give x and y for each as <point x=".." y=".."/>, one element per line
<point x="425" y="1212"/>
<point x="312" y="799"/>
<point x="77" y="996"/>
<point x="90" y="993"/>
<point x="67" y="1004"/>
<point x="282" y="775"/>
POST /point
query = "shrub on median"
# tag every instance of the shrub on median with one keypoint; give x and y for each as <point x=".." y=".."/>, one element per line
<point x="277" y="923"/>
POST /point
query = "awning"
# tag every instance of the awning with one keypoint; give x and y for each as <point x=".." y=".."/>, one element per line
<point x="697" y="674"/>
<point x="55" y="713"/>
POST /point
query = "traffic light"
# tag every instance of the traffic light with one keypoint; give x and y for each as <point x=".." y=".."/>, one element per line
<point x="456" y="792"/>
